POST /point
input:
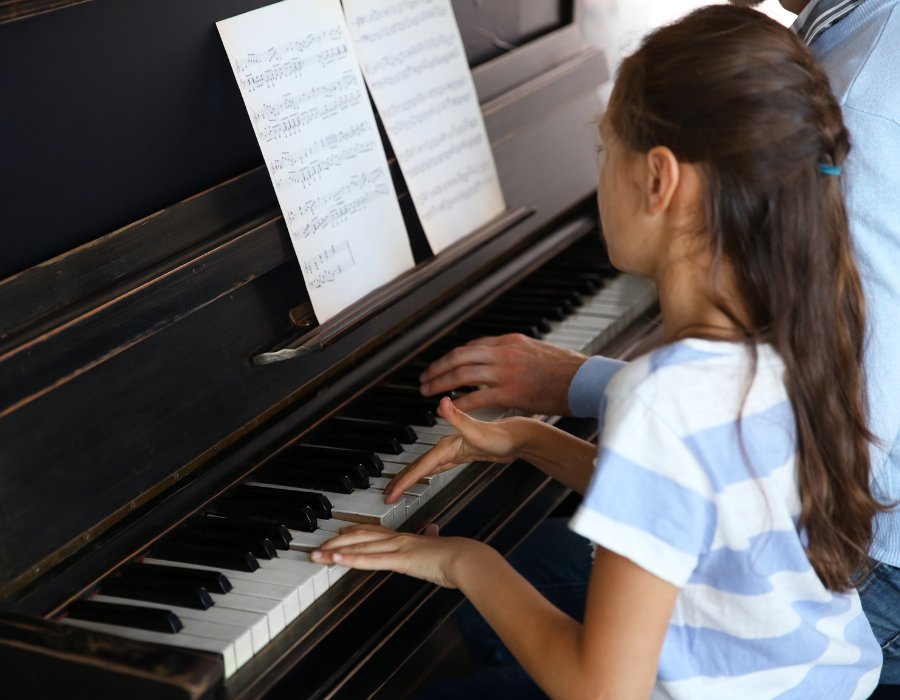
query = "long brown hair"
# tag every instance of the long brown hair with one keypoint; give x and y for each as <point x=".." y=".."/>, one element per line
<point x="733" y="91"/>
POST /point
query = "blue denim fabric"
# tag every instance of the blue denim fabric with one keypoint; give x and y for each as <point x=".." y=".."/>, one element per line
<point x="558" y="563"/>
<point x="486" y="683"/>
<point x="880" y="596"/>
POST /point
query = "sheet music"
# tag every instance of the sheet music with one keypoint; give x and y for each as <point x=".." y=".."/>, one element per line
<point x="415" y="65"/>
<point x="301" y="84"/>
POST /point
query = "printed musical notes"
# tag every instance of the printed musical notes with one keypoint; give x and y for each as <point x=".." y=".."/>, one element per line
<point x="301" y="84"/>
<point x="415" y="66"/>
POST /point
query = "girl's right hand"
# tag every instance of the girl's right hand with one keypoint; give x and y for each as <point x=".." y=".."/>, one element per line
<point x="474" y="441"/>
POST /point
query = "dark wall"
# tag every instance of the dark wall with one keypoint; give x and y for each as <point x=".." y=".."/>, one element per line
<point x="111" y="110"/>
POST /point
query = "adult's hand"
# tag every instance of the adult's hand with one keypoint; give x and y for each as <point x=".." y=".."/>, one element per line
<point x="510" y="371"/>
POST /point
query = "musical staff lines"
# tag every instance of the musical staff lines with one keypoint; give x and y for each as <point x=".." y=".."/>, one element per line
<point x="415" y="66"/>
<point x="277" y="54"/>
<point x="333" y="208"/>
<point x="306" y="99"/>
<point x="328" y="264"/>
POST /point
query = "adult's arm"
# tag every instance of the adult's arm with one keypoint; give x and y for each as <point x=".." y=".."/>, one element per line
<point x="517" y="372"/>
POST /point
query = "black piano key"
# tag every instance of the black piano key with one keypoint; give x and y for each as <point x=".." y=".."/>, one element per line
<point x="409" y="373"/>
<point x="334" y="437"/>
<point x="212" y="581"/>
<point x="154" y="619"/>
<point x="259" y="547"/>
<point x="295" y="518"/>
<point x="206" y="554"/>
<point x="533" y="328"/>
<point x="552" y="312"/>
<point x="581" y="285"/>
<point x="277" y="533"/>
<point x="356" y="473"/>
<point x="527" y="294"/>
<point x="413" y="416"/>
<point x="359" y="426"/>
<point x="283" y="498"/>
<point x="371" y="462"/>
<point x="305" y="479"/>
<point x="525" y="299"/>
<point x="500" y="326"/>
<point x="394" y="398"/>
<point x="183" y="595"/>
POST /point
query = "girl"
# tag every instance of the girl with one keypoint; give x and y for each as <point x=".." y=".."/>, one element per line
<point x="730" y="502"/>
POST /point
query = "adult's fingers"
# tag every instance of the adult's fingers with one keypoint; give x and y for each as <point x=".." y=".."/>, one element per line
<point x="490" y="341"/>
<point x="466" y="375"/>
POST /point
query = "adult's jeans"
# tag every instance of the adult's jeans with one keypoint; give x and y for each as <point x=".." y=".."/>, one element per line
<point x="880" y="596"/>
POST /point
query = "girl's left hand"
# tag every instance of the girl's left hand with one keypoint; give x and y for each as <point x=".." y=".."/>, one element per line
<point x="371" y="547"/>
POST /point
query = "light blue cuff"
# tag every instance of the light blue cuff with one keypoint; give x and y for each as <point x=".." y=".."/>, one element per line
<point x="589" y="383"/>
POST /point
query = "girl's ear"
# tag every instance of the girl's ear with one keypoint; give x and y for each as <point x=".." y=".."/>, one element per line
<point x="663" y="173"/>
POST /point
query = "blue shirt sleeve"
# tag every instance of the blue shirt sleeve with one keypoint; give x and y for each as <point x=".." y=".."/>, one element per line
<point x="589" y="383"/>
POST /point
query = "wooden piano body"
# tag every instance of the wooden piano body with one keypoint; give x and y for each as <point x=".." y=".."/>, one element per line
<point x="134" y="387"/>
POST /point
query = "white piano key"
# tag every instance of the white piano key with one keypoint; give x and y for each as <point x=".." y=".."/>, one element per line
<point x="239" y="638"/>
<point x="421" y="491"/>
<point x="439" y="429"/>
<point x="403" y="508"/>
<point x="417" y="448"/>
<point x="272" y="609"/>
<point x="308" y="541"/>
<point x="427" y="440"/>
<point x="363" y="507"/>
<point x="255" y="623"/>
<point x="333" y="570"/>
<point x="563" y="341"/>
<point x="391" y="469"/>
<point x="256" y="583"/>
<point x="404" y="457"/>
<point x="335" y="525"/>
<point x="569" y="329"/>
<point x="301" y="571"/>
<point x="181" y="640"/>
<point x="451" y="474"/>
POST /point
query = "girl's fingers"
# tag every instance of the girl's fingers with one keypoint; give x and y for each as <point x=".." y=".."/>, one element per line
<point x="450" y="413"/>
<point x="388" y="544"/>
<point x="357" y="534"/>
<point x="390" y="561"/>
<point x="432" y="462"/>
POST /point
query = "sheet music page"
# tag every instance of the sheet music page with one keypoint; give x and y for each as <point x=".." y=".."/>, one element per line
<point x="301" y="84"/>
<point x="415" y="65"/>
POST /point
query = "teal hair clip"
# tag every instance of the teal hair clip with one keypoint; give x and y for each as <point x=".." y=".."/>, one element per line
<point x="826" y="169"/>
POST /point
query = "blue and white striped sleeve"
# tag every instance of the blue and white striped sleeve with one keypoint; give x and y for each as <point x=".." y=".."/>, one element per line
<point x="649" y="501"/>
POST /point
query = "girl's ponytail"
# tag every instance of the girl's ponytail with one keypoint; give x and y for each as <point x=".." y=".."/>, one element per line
<point x="755" y="110"/>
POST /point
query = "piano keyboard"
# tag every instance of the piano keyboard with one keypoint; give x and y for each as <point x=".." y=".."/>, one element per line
<point x="229" y="580"/>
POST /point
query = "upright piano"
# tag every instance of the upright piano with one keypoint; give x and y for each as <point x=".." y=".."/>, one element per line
<point x="177" y="430"/>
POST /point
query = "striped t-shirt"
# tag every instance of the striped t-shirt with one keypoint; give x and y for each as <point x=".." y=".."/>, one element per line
<point x="675" y="493"/>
